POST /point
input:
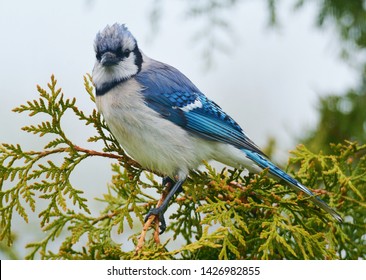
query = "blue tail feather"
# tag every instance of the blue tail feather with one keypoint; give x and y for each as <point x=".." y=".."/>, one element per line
<point x="264" y="163"/>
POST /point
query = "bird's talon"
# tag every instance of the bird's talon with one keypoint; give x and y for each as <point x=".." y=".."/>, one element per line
<point x="157" y="212"/>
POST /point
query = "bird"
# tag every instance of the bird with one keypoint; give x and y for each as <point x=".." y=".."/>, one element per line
<point x="165" y="123"/>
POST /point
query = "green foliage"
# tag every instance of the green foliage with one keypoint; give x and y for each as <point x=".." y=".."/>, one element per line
<point x="342" y="117"/>
<point x="221" y="214"/>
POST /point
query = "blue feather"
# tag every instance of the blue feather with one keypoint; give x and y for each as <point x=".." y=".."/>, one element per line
<point x="173" y="96"/>
<point x="276" y="171"/>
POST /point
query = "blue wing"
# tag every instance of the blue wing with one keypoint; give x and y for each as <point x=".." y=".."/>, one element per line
<point x="176" y="98"/>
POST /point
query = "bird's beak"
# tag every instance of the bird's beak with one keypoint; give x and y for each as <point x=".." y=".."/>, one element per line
<point x="109" y="59"/>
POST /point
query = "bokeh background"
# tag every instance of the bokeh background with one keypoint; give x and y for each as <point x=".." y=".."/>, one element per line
<point x="287" y="71"/>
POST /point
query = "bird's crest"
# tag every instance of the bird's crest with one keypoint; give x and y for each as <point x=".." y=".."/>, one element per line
<point x="113" y="37"/>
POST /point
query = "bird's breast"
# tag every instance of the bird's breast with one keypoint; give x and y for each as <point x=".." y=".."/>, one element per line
<point x="156" y="143"/>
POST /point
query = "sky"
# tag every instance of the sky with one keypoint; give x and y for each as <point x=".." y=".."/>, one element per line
<point x="268" y="80"/>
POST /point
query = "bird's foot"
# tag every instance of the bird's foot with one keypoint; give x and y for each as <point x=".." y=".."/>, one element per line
<point x="159" y="213"/>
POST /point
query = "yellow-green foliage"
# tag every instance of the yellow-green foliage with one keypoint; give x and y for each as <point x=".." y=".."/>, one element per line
<point x="221" y="214"/>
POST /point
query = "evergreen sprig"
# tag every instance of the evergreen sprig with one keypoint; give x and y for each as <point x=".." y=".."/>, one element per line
<point x="223" y="214"/>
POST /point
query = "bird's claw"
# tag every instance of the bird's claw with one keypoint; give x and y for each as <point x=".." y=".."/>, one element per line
<point x="158" y="212"/>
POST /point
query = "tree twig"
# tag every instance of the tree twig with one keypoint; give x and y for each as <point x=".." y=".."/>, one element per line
<point x="150" y="220"/>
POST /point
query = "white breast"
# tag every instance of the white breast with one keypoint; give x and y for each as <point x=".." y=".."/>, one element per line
<point x="155" y="143"/>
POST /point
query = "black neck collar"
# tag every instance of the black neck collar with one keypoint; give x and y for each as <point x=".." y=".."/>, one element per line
<point x="108" y="86"/>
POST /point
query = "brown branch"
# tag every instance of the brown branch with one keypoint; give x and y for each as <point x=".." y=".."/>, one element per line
<point x="101" y="154"/>
<point x="145" y="228"/>
<point x="105" y="216"/>
<point x="150" y="220"/>
<point x="77" y="148"/>
<point x="124" y="158"/>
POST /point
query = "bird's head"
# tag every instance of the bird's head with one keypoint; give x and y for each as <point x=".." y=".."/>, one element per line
<point x="118" y="57"/>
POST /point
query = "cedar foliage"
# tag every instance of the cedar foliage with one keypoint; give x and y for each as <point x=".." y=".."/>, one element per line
<point x="225" y="214"/>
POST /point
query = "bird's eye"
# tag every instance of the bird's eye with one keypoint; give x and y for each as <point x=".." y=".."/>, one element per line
<point x="126" y="53"/>
<point x="123" y="53"/>
<point x="98" y="55"/>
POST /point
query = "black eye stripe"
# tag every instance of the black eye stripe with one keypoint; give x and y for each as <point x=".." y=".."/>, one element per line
<point x="119" y="53"/>
<point x="122" y="53"/>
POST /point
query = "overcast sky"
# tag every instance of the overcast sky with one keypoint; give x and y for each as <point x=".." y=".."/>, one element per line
<point x="269" y="81"/>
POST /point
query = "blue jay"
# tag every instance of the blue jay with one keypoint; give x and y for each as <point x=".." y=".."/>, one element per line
<point x="165" y="122"/>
